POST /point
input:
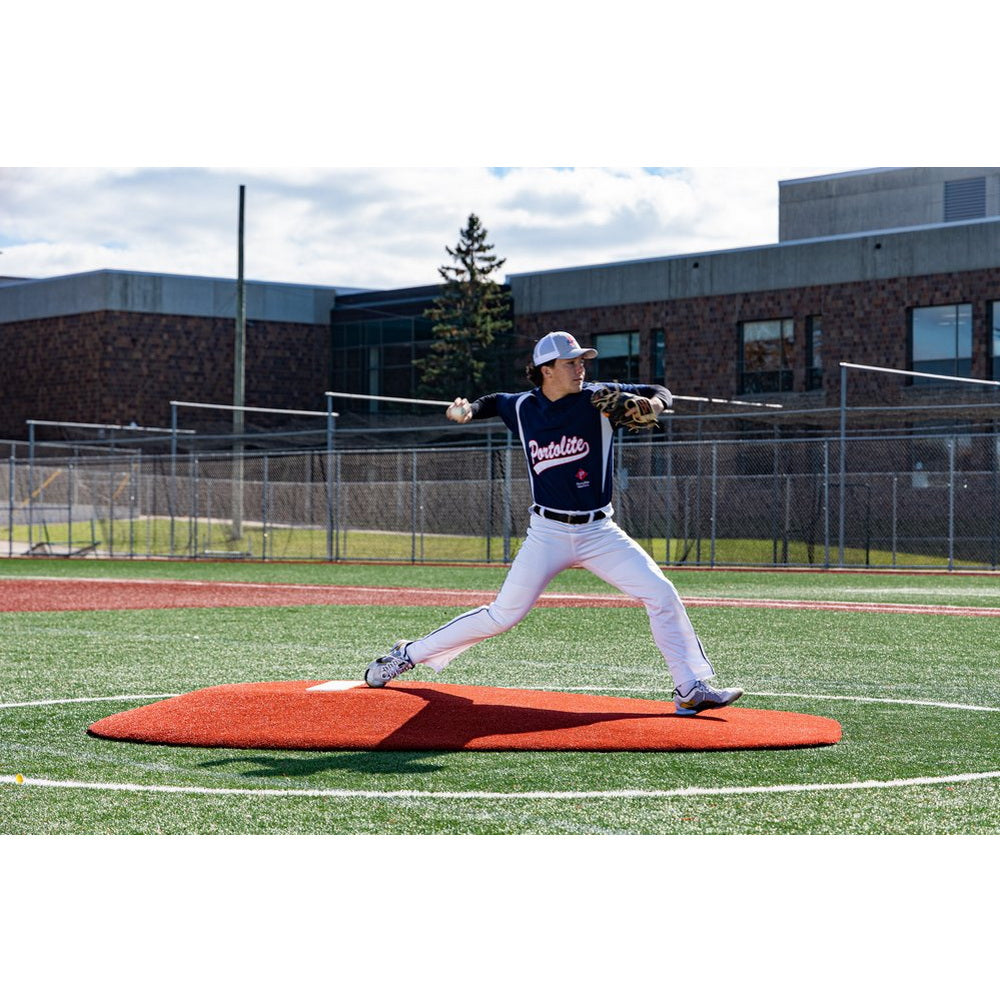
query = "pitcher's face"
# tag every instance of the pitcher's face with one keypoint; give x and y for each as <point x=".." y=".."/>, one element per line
<point x="563" y="376"/>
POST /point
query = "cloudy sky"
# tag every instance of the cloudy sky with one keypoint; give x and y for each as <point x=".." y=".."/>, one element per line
<point x="371" y="227"/>
<point x="366" y="136"/>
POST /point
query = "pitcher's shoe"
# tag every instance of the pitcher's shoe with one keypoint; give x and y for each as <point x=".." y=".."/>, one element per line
<point x="699" y="696"/>
<point x="382" y="670"/>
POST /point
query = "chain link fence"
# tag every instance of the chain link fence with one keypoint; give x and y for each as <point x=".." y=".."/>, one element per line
<point x="902" y="500"/>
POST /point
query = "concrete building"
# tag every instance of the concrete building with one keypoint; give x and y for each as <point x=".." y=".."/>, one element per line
<point x="871" y="200"/>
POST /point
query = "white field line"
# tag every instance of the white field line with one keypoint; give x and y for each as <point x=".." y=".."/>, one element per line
<point x="624" y="793"/>
<point x="76" y="701"/>
<point x="789" y="694"/>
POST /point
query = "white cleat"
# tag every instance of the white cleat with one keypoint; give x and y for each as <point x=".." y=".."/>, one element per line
<point x="699" y="696"/>
<point x="384" y="669"/>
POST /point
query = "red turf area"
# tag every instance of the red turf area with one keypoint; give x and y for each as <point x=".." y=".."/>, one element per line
<point x="50" y="594"/>
<point x="286" y="715"/>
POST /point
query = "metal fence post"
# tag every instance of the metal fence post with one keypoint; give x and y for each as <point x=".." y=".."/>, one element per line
<point x="826" y="504"/>
<point x="111" y="506"/>
<point x="340" y="524"/>
<point x="131" y="506"/>
<point x="31" y="491"/>
<point x="951" y="503"/>
<point x="69" y="507"/>
<point x="507" y="499"/>
<point x="995" y="513"/>
<point x="668" y="503"/>
<point x="10" y="506"/>
<point x="895" y="515"/>
<point x="264" y="489"/>
<point x="697" y="492"/>
<point x="843" y="461"/>
<point x="328" y="483"/>
<point x="489" y="494"/>
<point x="715" y="498"/>
<point x="329" y="478"/>
<point x="193" y="512"/>
<point x="788" y="519"/>
<point x="413" y="505"/>
<point x="172" y="489"/>
<point x="775" y="500"/>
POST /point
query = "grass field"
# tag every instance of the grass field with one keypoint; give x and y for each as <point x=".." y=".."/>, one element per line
<point x="917" y="695"/>
<point x="155" y="537"/>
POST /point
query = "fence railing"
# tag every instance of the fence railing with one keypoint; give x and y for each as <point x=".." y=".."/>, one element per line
<point x="907" y="501"/>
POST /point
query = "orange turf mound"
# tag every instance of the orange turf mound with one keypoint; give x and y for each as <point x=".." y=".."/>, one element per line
<point x="286" y="715"/>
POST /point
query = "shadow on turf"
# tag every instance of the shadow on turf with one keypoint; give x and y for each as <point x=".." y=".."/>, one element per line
<point x="361" y="763"/>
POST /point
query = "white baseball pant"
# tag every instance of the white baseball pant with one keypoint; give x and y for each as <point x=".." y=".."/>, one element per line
<point x="549" y="548"/>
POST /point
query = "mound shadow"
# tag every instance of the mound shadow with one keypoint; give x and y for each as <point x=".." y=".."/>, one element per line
<point x="358" y="762"/>
<point x="451" y="720"/>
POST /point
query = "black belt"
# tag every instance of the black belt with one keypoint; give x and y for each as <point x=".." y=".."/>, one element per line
<point x="554" y="515"/>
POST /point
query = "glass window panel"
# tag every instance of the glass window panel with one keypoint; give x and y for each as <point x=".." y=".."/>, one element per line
<point x="397" y="355"/>
<point x="815" y="327"/>
<point x="762" y="345"/>
<point x="941" y="339"/>
<point x="814" y="352"/>
<point x="658" y="366"/>
<point x="766" y="351"/>
<point x="964" y="332"/>
<point x="618" y="357"/>
<point x="396" y="331"/>
<point x="346" y="334"/>
<point x="788" y="335"/>
<point x="615" y="345"/>
<point x="995" y="323"/>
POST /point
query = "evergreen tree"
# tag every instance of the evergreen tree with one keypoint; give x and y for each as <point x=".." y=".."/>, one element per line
<point x="470" y="352"/>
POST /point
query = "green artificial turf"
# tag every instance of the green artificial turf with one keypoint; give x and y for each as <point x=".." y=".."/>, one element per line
<point x="870" y="671"/>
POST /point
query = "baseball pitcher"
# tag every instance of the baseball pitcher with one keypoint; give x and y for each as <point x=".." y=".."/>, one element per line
<point x="566" y="428"/>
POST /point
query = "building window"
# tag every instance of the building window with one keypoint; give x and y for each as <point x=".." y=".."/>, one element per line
<point x="375" y="357"/>
<point x="658" y="362"/>
<point x="995" y="339"/>
<point x="765" y="355"/>
<point x="617" y="357"/>
<point x="965" y="199"/>
<point x="814" y="352"/>
<point x="941" y="341"/>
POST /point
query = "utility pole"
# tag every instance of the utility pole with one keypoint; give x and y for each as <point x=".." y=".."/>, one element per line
<point x="239" y="377"/>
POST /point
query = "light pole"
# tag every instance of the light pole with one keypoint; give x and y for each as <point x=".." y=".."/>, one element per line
<point x="239" y="378"/>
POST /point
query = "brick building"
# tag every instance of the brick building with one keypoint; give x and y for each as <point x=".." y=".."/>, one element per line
<point x="115" y="347"/>
<point x="898" y="268"/>
<point x="774" y="322"/>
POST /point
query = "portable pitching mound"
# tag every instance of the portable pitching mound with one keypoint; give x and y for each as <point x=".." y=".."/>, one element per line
<point x="347" y="715"/>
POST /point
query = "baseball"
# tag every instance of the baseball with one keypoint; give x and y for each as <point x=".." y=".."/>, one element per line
<point x="459" y="411"/>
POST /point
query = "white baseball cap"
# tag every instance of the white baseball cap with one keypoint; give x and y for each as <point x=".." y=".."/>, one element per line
<point x="560" y="346"/>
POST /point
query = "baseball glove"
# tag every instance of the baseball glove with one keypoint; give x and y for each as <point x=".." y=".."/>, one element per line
<point x="625" y="409"/>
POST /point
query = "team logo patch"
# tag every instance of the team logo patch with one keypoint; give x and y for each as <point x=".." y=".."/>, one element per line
<point x="567" y="449"/>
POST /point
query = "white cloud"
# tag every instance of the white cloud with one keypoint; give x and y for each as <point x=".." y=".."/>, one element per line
<point x="380" y="227"/>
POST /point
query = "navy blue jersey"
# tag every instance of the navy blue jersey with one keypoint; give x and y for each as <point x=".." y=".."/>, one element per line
<point x="568" y="444"/>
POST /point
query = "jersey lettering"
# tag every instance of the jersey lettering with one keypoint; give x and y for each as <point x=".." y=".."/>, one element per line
<point x="569" y="449"/>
